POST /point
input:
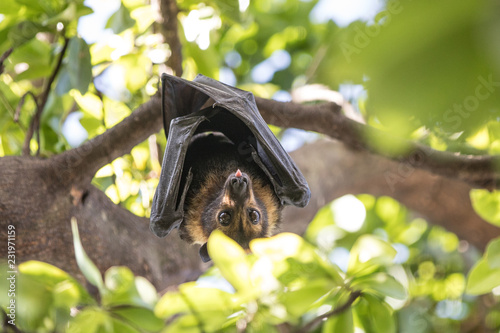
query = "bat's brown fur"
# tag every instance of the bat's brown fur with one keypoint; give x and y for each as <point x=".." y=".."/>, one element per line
<point x="214" y="161"/>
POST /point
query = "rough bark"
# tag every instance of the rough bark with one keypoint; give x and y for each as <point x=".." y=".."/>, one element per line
<point x="40" y="206"/>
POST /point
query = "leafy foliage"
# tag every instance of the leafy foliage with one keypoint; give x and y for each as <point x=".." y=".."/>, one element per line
<point x="302" y="283"/>
<point x="285" y="280"/>
<point x="427" y="70"/>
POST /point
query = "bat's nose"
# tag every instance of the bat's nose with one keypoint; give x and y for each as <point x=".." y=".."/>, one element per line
<point x="239" y="183"/>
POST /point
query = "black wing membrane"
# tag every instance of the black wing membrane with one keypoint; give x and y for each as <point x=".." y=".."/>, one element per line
<point x="232" y="112"/>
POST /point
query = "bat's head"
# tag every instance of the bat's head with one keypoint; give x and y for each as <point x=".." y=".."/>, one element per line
<point x="245" y="207"/>
<point x="244" y="211"/>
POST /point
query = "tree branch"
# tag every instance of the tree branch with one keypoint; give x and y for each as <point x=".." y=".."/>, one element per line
<point x="35" y="121"/>
<point x="316" y="321"/>
<point x="17" y="113"/>
<point x="169" y="24"/>
<point x="4" y="56"/>
<point x="478" y="171"/>
<point x="79" y="165"/>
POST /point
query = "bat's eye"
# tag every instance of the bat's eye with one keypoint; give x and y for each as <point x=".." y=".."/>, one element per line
<point x="224" y="218"/>
<point x="254" y="216"/>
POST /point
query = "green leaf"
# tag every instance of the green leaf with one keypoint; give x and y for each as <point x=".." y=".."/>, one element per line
<point x="482" y="278"/>
<point x="342" y="322"/>
<point x="119" y="279"/>
<point x="144" y="16"/>
<point x="136" y="69"/>
<point x="323" y="221"/>
<point x="146" y="291"/>
<point x="10" y="8"/>
<point x="91" y="320"/>
<point x="120" y="20"/>
<point x="206" y="62"/>
<point x="294" y="258"/>
<point x="34" y="300"/>
<point x="35" y="53"/>
<point x="170" y="304"/>
<point x="80" y="74"/>
<point x="382" y="318"/>
<point x="298" y="302"/>
<point x="123" y="327"/>
<point x="72" y="12"/>
<point x="115" y="112"/>
<point x="375" y="315"/>
<point x="185" y="324"/>
<point x="382" y="283"/>
<point x="63" y="85"/>
<point x="229" y="9"/>
<point x="23" y="32"/>
<point x="206" y="302"/>
<point x="67" y="292"/>
<point x="369" y="253"/>
<point x="93" y="127"/>
<point x="120" y="287"/>
<point x="67" y="295"/>
<point x="51" y="8"/>
<point x="43" y="272"/>
<point x="87" y="267"/>
<point x="486" y="205"/>
<point x="493" y="253"/>
<point x="140" y="317"/>
<point x="209" y="307"/>
<point x="231" y="259"/>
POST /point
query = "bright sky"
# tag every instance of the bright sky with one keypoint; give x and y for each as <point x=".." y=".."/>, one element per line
<point x="345" y="12"/>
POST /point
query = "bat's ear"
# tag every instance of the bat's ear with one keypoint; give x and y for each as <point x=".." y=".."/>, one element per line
<point x="204" y="253"/>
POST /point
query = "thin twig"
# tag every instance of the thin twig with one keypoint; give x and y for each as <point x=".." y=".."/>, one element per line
<point x="4" y="56"/>
<point x="35" y="121"/>
<point x="8" y="327"/>
<point x="316" y="321"/>
<point x="21" y="103"/>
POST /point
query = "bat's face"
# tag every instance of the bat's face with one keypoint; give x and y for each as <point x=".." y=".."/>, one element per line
<point x="244" y="208"/>
<point x="241" y="211"/>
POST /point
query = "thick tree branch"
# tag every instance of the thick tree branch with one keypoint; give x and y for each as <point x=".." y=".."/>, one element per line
<point x="478" y="171"/>
<point x="84" y="161"/>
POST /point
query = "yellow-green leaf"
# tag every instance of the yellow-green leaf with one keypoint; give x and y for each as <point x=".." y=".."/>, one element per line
<point x="486" y="204"/>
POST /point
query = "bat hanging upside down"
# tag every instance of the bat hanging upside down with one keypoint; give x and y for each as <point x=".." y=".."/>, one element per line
<point x="228" y="192"/>
<point x="223" y="168"/>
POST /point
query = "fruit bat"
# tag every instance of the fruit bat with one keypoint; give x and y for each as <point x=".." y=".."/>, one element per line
<point x="223" y="168"/>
